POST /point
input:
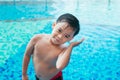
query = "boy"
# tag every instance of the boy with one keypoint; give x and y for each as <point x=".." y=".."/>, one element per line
<point x="49" y="54"/>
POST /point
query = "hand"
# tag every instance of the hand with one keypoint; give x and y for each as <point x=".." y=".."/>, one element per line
<point x="24" y="77"/>
<point x="73" y="44"/>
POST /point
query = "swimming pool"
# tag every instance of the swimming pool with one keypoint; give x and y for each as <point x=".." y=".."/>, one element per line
<point x="97" y="58"/>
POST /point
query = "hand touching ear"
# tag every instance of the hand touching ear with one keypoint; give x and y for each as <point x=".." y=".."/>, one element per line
<point x="73" y="44"/>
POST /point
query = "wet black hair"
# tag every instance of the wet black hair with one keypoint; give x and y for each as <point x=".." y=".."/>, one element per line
<point x="71" y="20"/>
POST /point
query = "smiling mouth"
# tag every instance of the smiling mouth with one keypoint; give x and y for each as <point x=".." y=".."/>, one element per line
<point x="56" y="39"/>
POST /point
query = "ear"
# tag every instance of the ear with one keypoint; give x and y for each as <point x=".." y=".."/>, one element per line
<point x="53" y="25"/>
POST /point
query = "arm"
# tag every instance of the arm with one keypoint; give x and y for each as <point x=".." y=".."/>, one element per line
<point x="27" y="55"/>
<point x="63" y="59"/>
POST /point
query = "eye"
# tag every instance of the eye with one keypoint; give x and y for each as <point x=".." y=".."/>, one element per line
<point x="59" y="30"/>
<point x="67" y="36"/>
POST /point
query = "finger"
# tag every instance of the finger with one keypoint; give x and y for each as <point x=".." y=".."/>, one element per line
<point x="77" y="43"/>
<point x="82" y="39"/>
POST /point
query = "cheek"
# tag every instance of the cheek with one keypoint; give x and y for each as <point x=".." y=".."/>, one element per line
<point x="65" y="40"/>
<point x="54" y="33"/>
<point x="68" y="39"/>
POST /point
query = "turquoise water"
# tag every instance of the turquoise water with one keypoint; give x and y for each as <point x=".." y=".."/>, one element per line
<point x="97" y="58"/>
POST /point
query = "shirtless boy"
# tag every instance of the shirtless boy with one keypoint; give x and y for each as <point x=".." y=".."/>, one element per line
<point x="50" y="55"/>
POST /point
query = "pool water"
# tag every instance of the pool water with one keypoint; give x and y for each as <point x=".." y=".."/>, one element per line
<point x="13" y="42"/>
<point x="97" y="58"/>
<point x="24" y="10"/>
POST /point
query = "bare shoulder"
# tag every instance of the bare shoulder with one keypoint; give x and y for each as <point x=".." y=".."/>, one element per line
<point x="38" y="37"/>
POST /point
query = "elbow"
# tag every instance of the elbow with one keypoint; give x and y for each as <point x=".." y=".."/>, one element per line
<point x="60" y="67"/>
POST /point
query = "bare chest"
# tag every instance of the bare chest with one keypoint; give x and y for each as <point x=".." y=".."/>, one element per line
<point x="46" y="52"/>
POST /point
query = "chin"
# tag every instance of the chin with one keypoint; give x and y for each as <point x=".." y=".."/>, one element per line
<point x="54" y="42"/>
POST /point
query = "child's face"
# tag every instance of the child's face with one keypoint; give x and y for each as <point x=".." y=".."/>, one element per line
<point x="62" y="33"/>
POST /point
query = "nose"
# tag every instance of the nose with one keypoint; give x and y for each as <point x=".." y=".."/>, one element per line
<point x="60" y="36"/>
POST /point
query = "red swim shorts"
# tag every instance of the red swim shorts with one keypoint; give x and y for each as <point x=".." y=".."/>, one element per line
<point x="58" y="76"/>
